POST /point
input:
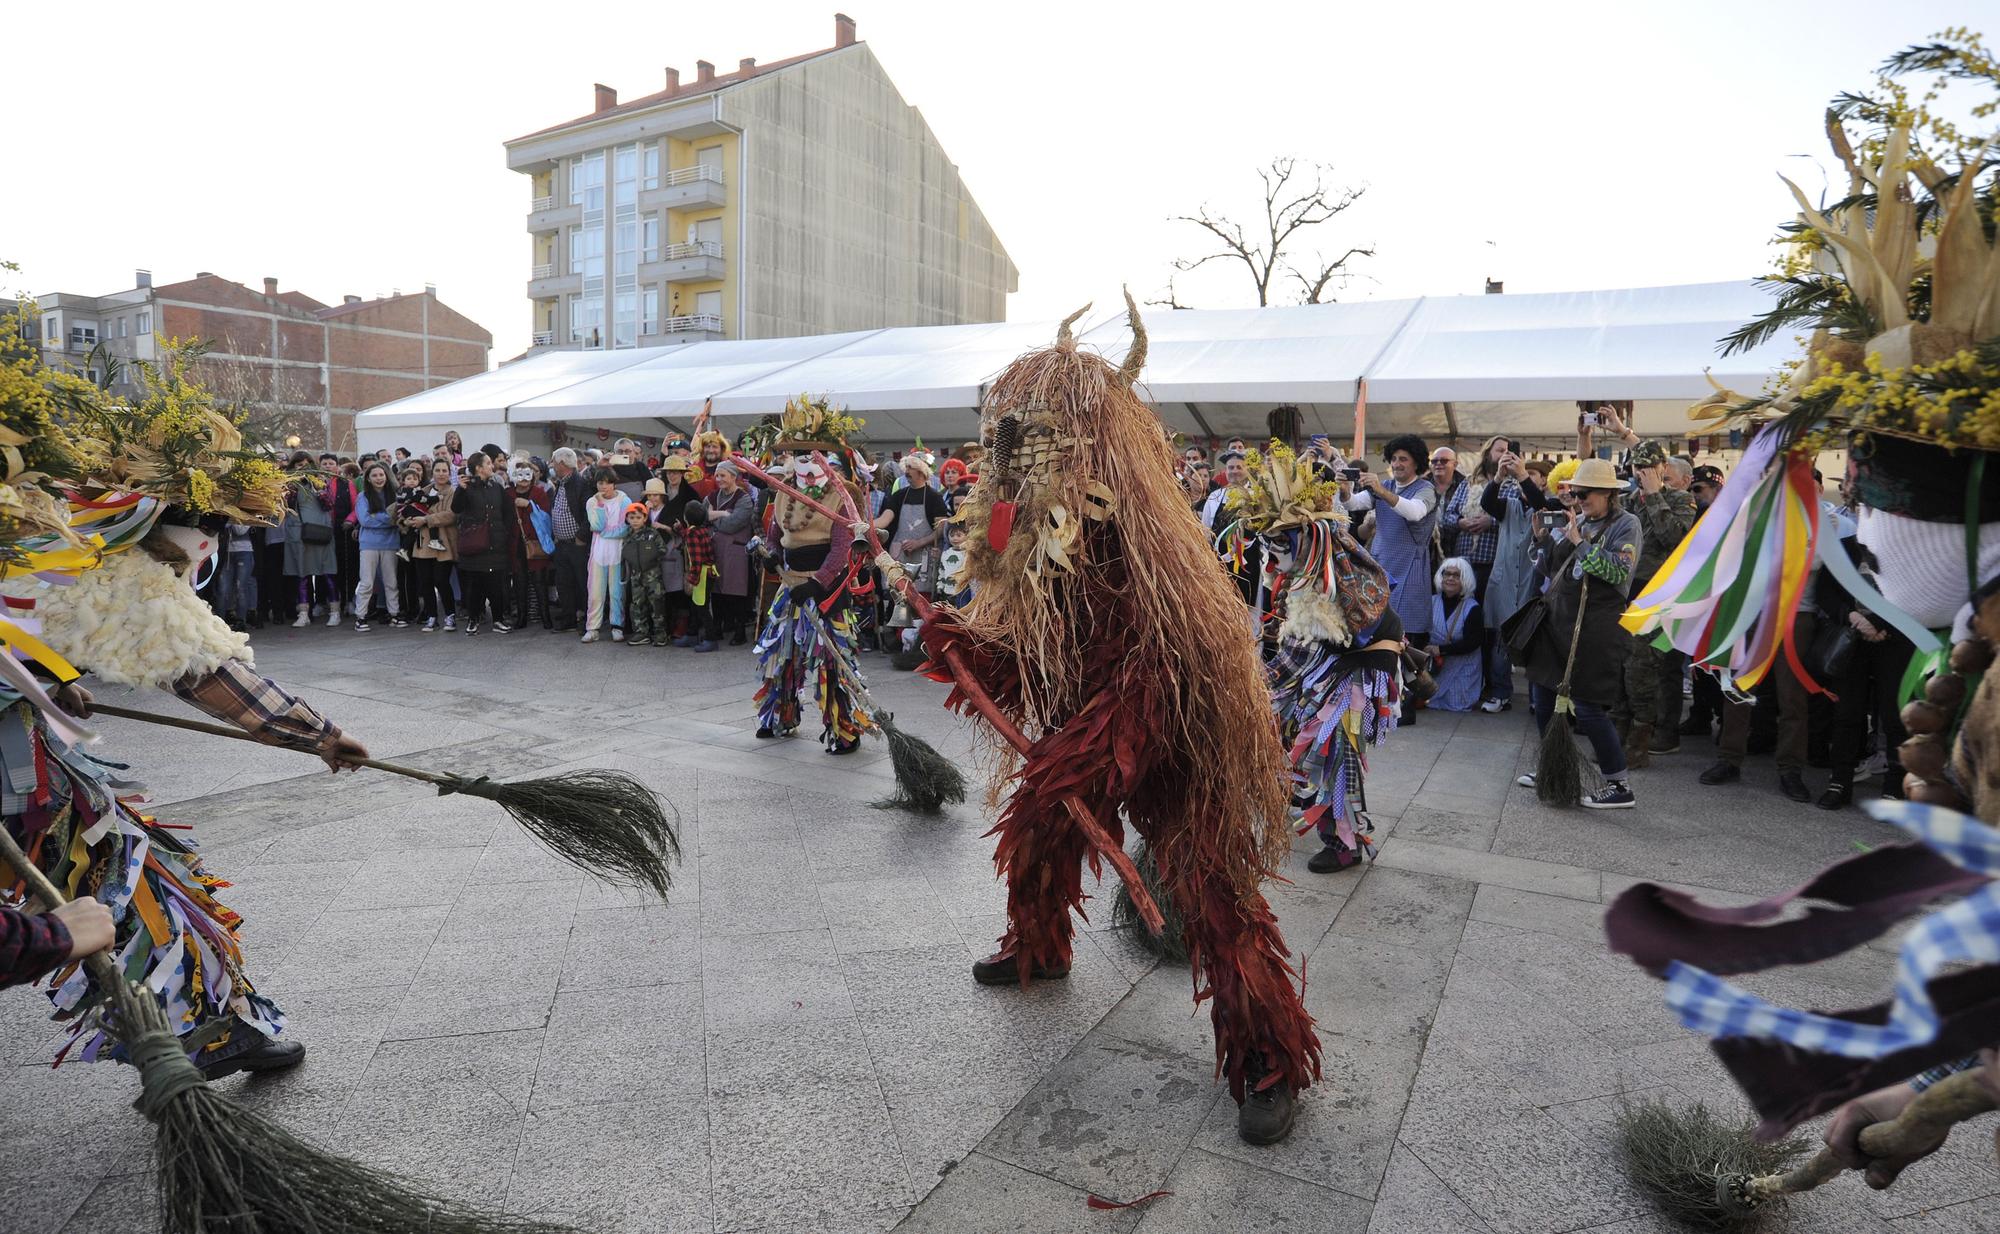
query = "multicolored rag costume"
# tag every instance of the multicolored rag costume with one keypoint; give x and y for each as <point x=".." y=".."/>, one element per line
<point x="1336" y="677"/>
<point x="1103" y="627"/>
<point x="1904" y="363"/>
<point x="810" y="622"/>
<point x="135" y="620"/>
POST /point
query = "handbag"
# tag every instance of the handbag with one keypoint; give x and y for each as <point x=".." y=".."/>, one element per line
<point x="1831" y="652"/>
<point x="474" y="537"/>
<point x="1521" y="630"/>
<point x="315" y="533"/>
<point x="1418" y="684"/>
<point x="545" y="531"/>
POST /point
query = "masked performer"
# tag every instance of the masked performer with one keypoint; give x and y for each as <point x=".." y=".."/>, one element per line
<point x="1103" y="627"/>
<point x="811" y="620"/>
<point x="1336" y="678"/>
<point x="1904" y="365"/>
<point x="112" y="592"/>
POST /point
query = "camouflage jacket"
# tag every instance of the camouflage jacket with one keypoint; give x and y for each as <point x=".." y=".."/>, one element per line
<point x="1665" y="518"/>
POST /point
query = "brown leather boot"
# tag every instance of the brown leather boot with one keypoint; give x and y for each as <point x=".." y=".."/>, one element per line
<point x="1636" y="753"/>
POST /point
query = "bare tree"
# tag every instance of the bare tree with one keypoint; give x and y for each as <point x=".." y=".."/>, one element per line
<point x="1272" y="253"/>
<point x="272" y="403"/>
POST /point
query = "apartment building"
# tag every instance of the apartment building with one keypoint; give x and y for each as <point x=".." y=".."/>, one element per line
<point x="799" y="197"/>
<point x="306" y="367"/>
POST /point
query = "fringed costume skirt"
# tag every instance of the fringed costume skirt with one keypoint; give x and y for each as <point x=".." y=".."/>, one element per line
<point x="1330" y="710"/>
<point x="791" y="655"/>
<point x="62" y="806"/>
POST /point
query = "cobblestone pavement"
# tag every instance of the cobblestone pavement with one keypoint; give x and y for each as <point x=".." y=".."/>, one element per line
<point x="793" y="1042"/>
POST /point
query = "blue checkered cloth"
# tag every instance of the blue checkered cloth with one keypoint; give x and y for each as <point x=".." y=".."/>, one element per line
<point x="1967" y="931"/>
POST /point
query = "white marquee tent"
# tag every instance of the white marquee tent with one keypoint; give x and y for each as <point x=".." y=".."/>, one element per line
<point x="1449" y="367"/>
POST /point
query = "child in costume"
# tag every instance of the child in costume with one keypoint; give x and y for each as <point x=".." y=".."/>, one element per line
<point x="1095" y="588"/>
<point x="698" y="573"/>
<point x="1336" y="676"/>
<point x="810" y="620"/>
<point x="645" y="586"/>
<point x="605" y="511"/>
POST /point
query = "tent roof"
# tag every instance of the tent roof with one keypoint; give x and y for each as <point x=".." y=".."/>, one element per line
<point x="676" y="382"/>
<point x="1514" y="358"/>
<point x="484" y="398"/>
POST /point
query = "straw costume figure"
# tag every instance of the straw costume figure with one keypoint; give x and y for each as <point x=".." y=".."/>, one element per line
<point x="110" y="589"/>
<point x="1336" y="678"/>
<point x="1904" y="365"/>
<point x="810" y="621"/>
<point x="1102" y="628"/>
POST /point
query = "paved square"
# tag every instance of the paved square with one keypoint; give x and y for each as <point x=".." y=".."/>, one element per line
<point x="793" y="1042"/>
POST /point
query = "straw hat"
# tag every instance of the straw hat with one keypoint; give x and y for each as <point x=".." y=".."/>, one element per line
<point x="659" y="486"/>
<point x="1596" y="473"/>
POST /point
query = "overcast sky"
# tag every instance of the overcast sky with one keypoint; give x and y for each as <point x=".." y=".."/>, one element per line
<point x="356" y="148"/>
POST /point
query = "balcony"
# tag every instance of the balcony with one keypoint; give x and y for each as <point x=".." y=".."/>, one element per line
<point x="542" y="271"/>
<point x="548" y="216"/>
<point x="686" y="188"/>
<point x="678" y="331"/>
<point x="542" y="338"/>
<point x="697" y="262"/>
<point x="547" y="284"/>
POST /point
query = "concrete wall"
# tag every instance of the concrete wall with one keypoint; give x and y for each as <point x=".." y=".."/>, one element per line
<point x="854" y="216"/>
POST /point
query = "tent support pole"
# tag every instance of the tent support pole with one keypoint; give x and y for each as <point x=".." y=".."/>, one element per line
<point x="1196" y="413"/>
<point x="1451" y="424"/>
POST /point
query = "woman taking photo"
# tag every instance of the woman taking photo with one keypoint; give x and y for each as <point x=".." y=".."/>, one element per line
<point x="529" y="575"/>
<point x="1588" y="562"/>
<point x="309" y="549"/>
<point x="1509" y="494"/>
<point x="484" y="512"/>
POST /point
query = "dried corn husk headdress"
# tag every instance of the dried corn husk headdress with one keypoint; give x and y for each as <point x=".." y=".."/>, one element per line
<point x="1284" y="491"/>
<point x="1901" y="342"/>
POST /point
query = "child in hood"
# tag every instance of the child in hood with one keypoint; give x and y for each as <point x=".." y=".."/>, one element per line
<point x="645" y="587"/>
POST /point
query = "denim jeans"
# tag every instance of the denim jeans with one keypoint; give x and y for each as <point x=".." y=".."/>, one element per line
<point x="1499" y="667"/>
<point x="236" y="585"/>
<point x="1595" y="722"/>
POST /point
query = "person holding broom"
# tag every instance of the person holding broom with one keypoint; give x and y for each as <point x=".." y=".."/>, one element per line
<point x="1095" y="588"/>
<point x="1579" y="651"/>
<point x="810" y="621"/>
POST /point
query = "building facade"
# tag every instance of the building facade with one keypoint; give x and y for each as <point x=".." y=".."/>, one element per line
<point x="298" y="367"/>
<point x="800" y="197"/>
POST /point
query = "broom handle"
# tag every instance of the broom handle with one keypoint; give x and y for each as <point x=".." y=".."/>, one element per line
<point x="1086" y="823"/>
<point x="97" y="962"/>
<point x="217" y="730"/>
<point x="1926" y="1120"/>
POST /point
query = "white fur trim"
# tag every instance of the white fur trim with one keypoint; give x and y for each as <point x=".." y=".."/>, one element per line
<point x="133" y="621"/>
<point x="1311" y="615"/>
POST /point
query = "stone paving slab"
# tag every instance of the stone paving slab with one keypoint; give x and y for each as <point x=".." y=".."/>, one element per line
<point x="792" y="1044"/>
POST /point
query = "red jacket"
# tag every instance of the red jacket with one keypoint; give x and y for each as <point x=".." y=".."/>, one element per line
<point x="30" y="946"/>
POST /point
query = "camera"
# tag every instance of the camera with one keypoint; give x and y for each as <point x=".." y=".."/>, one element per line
<point x="1593" y="419"/>
<point x="1350" y="474"/>
<point x="1551" y="520"/>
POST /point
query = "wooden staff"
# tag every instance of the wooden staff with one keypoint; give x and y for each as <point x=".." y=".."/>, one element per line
<point x="1093" y="831"/>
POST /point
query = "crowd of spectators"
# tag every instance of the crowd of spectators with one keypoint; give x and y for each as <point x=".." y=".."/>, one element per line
<point x="1469" y="541"/>
<point x="670" y="550"/>
<point x="606" y="544"/>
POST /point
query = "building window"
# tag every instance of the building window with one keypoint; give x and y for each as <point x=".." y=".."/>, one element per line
<point x="145" y="321"/>
<point x="625" y="319"/>
<point x="625" y="247"/>
<point x="586" y="251"/>
<point x="649" y="176"/>
<point x="649" y="311"/>
<point x="586" y="181"/>
<point x="52" y="329"/>
<point x="625" y="175"/>
<point x="123" y="322"/>
<point x="586" y="321"/>
<point x="649" y="238"/>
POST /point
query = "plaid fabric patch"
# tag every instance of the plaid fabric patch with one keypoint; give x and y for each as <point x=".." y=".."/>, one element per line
<point x="1967" y="931"/>
<point x="700" y="543"/>
<point x="1942" y="1072"/>
<point x="258" y="706"/>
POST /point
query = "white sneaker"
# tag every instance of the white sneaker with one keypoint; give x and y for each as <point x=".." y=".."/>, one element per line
<point x="1526" y="779"/>
<point x="589" y="636"/>
<point x="1494" y="706"/>
<point x="617" y="635"/>
<point x="305" y="619"/>
<point x="332" y="616"/>
<point x="450" y="622"/>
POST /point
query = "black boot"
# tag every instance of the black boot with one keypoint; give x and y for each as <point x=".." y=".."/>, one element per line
<point x="1004" y="969"/>
<point x="1335" y="856"/>
<point x="1793" y="785"/>
<point x="1838" y="795"/>
<point x="1722" y="773"/>
<point x="1267" y="1114"/>
<point x="246" y="1049"/>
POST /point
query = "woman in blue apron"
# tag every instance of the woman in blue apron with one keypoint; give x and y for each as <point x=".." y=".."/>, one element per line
<point x="1405" y="508"/>
<point x="1458" y="634"/>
